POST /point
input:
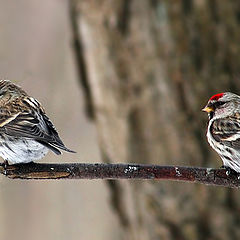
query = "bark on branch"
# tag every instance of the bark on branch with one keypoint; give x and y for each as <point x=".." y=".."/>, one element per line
<point x="220" y="177"/>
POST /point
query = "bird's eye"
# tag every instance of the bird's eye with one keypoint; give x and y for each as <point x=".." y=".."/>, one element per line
<point x="219" y="103"/>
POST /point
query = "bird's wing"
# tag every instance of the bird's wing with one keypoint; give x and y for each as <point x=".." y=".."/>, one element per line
<point x="6" y="117"/>
<point x="33" y="125"/>
<point x="227" y="131"/>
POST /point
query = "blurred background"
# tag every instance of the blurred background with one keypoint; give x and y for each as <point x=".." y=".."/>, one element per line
<point x="123" y="81"/>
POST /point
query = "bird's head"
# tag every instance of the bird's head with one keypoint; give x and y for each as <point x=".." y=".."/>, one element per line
<point x="9" y="90"/>
<point x="222" y="104"/>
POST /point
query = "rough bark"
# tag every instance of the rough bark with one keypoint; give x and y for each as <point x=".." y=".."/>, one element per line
<point x="43" y="171"/>
<point x="151" y="66"/>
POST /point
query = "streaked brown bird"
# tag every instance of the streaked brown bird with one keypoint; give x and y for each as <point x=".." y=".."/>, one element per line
<point x="223" y="131"/>
<point x="26" y="133"/>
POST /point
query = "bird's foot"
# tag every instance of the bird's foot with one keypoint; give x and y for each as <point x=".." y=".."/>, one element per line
<point x="5" y="165"/>
<point x="231" y="172"/>
<point x="25" y="164"/>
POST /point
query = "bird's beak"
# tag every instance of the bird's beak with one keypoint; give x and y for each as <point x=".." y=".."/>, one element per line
<point x="208" y="109"/>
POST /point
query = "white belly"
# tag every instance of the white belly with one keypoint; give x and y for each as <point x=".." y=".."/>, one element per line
<point x="229" y="156"/>
<point x="22" y="151"/>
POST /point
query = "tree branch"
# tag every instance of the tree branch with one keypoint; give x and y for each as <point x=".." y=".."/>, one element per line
<point x="220" y="177"/>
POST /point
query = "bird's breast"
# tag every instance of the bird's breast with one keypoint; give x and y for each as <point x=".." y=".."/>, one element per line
<point x="21" y="150"/>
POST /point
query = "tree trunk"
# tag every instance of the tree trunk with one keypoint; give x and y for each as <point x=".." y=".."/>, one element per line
<point x="149" y="68"/>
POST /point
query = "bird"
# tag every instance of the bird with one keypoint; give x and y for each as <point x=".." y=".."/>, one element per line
<point x="223" y="131"/>
<point x="26" y="132"/>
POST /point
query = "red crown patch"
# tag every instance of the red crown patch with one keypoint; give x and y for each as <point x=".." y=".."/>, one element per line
<point x="216" y="97"/>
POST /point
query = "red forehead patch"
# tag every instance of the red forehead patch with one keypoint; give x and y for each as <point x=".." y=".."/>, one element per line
<point x="216" y="97"/>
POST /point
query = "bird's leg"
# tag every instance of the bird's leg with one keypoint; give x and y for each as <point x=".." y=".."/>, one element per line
<point x="6" y="164"/>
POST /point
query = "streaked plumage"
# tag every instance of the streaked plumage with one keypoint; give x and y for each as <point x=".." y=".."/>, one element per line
<point x="223" y="132"/>
<point x="26" y="133"/>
